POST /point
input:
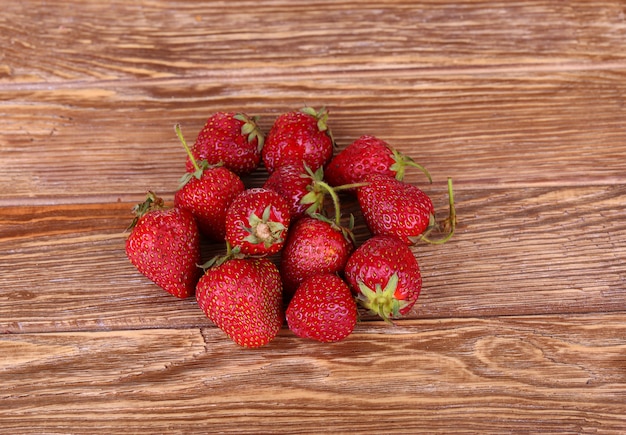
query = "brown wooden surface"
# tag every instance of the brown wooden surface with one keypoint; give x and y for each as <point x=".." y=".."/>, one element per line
<point x="521" y="326"/>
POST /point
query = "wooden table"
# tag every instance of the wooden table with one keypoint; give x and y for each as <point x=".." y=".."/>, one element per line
<point x="521" y="326"/>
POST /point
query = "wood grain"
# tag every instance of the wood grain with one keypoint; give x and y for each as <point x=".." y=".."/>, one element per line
<point x="551" y="373"/>
<point x="82" y="40"/>
<point x="480" y="131"/>
<point x="521" y="324"/>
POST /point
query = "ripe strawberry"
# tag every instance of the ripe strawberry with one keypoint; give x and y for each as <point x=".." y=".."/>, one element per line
<point x="385" y="275"/>
<point x="395" y="208"/>
<point x="257" y="221"/>
<point x="303" y="189"/>
<point x="368" y="155"/>
<point x="242" y="296"/>
<point x="314" y="245"/>
<point x="233" y="139"/>
<point x="164" y="245"/>
<point x="207" y="193"/>
<point x="296" y="137"/>
<point x="322" y="309"/>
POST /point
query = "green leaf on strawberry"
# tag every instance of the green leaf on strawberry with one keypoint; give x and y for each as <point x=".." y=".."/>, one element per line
<point x="382" y="301"/>
<point x="264" y="230"/>
<point x="385" y="276"/>
<point x="257" y="221"/>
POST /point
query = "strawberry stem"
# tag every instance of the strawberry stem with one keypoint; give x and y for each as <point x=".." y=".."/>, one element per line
<point x="350" y="186"/>
<point x="318" y="188"/>
<point x="198" y="170"/>
<point x="449" y="223"/>
<point x="335" y="199"/>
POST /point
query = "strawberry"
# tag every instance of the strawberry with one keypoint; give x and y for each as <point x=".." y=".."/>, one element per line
<point x="233" y="139"/>
<point x="304" y="189"/>
<point x="368" y="155"/>
<point x="296" y="137"/>
<point x="164" y="245"/>
<point x="242" y="296"/>
<point x="395" y="208"/>
<point x="207" y="193"/>
<point x="385" y="275"/>
<point x="314" y="245"/>
<point x="257" y="221"/>
<point x="402" y="210"/>
<point x="322" y="309"/>
<point x="292" y="182"/>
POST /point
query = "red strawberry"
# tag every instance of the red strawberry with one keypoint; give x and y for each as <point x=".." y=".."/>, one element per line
<point x="257" y="221"/>
<point x="395" y="208"/>
<point x="322" y="309"/>
<point x="403" y="210"/>
<point x="303" y="189"/>
<point x="164" y="245"/>
<point x="242" y="296"/>
<point x="384" y="273"/>
<point x="296" y="137"/>
<point x="233" y="139"/>
<point x="207" y="193"/>
<point x="368" y="155"/>
<point x="313" y="246"/>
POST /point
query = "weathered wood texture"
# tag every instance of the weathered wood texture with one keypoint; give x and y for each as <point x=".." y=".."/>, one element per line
<point x="521" y="325"/>
<point x="541" y="374"/>
<point x="480" y="130"/>
<point x="91" y="40"/>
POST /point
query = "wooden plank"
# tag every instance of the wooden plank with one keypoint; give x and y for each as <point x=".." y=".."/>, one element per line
<point x="517" y="251"/>
<point x="521" y="325"/>
<point x="110" y="141"/>
<point x="550" y="373"/>
<point x="78" y="40"/>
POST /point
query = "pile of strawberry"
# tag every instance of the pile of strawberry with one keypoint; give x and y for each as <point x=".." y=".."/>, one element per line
<point x="287" y="255"/>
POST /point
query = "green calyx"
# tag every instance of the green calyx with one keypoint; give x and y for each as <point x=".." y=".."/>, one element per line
<point x="263" y="230"/>
<point x="314" y="199"/>
<point x="448" y="225"/>
<point x="402" y="161"/>
<point x="321" y="116"/>
<point x="317" y="191"/>
<point x="251" y="129"/>
<point x="382" y="301"/>
<point x="322" y="120"/>
<point x="152" y="202"/>
<point x="218" y="260"/>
